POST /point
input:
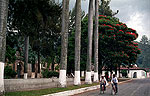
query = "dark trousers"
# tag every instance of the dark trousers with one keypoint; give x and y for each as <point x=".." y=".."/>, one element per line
<point x="103" y="85"/>
<point x="116" y="87"/>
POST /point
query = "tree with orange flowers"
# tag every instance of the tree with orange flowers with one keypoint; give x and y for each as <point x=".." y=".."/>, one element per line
<point x="116" y="42"/>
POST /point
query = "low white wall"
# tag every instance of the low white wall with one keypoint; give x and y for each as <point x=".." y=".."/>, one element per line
<point x="140" y="73"/>
<point x="32" y="84"/>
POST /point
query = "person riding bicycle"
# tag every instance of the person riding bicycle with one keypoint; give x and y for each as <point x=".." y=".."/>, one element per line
<point x="102" y="82"/>
<point x="114" y="82"/>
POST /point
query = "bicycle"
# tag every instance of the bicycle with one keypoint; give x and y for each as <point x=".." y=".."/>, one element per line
<point x="102" y="89"/>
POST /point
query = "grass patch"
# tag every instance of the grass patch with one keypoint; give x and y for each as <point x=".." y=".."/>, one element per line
<point x="46" y="91"/>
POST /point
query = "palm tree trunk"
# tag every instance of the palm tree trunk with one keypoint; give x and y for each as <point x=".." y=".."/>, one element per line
<point x="64" y="43"/>
<point x="33" y="69"/>
<point x="116" y="69"/>
<point x="3" y="24"/>
<point x="119" y="71"/>
<point x="53" y="64"/>
<point x="96" y="43"/>
<point x="89" y="50"/>
<point x="26" y="57"/>
<point x="39" y="68"/>
<point x="77" y="42"/>
<point x="128" y="71"/>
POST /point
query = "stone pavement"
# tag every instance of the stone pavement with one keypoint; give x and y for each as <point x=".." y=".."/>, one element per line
<point x="136" y="87"/>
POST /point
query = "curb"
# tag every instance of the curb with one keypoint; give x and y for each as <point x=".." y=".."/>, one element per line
<point x="72" y="92"/>
<point x="125" y="81"/>
<point x="81" y="90"/>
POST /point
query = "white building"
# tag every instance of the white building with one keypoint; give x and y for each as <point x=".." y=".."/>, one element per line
<point x="135" y="72"/>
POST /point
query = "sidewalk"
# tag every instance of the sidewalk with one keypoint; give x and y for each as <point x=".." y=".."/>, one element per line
<point x="77" y="91"/>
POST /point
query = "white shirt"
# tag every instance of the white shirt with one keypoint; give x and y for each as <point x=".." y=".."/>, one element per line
<point x="104" y="79"/>
<point x="115" y="80"/>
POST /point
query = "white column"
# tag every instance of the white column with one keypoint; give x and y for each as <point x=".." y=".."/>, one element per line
<point x="117" y="73"/>
<point x="62" y="78"/>
<point x="96" y="77"/>
<point x="77" y="78"/>
<point x="1" y="77"/>
<point x="131" y="75"/>
<point x="25" y="75"/>
<point x="82" y="73"/>
<point x="88" y="78"/>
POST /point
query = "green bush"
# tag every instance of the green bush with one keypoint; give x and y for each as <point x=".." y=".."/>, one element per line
<point x="124" y="73"/>
<point x="45" y="73"/>
<point x="57" y="67"/>
<point x="9" y="73"/>
<point x="48" y="74"/>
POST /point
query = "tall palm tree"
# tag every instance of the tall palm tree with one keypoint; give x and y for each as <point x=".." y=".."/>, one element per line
<point x="3" y="23"/>
<point x="77" y="42"/>
<point x="96" y="43"/>
<point x="26" y="45"/>
<point x="89" y="50"/>
<point x="64" y="43"/>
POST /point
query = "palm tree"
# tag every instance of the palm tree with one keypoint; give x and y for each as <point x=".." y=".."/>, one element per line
<point x="77" y="42"/>
<point x="64" y="43"/>
<point x="96" y="43"/>
<point x="26" y="45"/>
<point x="89" y="50"/>
<point x="3" y="23"/>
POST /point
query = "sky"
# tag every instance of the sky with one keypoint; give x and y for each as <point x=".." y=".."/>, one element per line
<point x="135" y="13"/>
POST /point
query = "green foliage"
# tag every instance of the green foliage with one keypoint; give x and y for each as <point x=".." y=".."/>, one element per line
<point x="124" y="73"/>
<point x="12" y="39"/>
<point x="116" y="41"/>
<point x="57" y="68"/>
<point x="9" y="73"/>
<point x="11" y="47"/>
<point x="40" y="20"/>
<point x="31" y="55"/>
<point x="10" y="54"/>
<point x="144" y="58"/>
<point x="48" y="74"/>
<point x="71" y="53"/>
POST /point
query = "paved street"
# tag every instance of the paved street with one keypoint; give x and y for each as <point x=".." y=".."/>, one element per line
<point x="140" y="87"/>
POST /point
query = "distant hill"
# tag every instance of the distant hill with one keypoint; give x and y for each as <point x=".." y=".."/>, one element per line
<point x="144" y="58"/>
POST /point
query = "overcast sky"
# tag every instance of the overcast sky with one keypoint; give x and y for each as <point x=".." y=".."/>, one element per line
<point x="135" y="13"/>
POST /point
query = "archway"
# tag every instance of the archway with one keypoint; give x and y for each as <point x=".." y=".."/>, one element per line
<point x="135" y="75"/>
